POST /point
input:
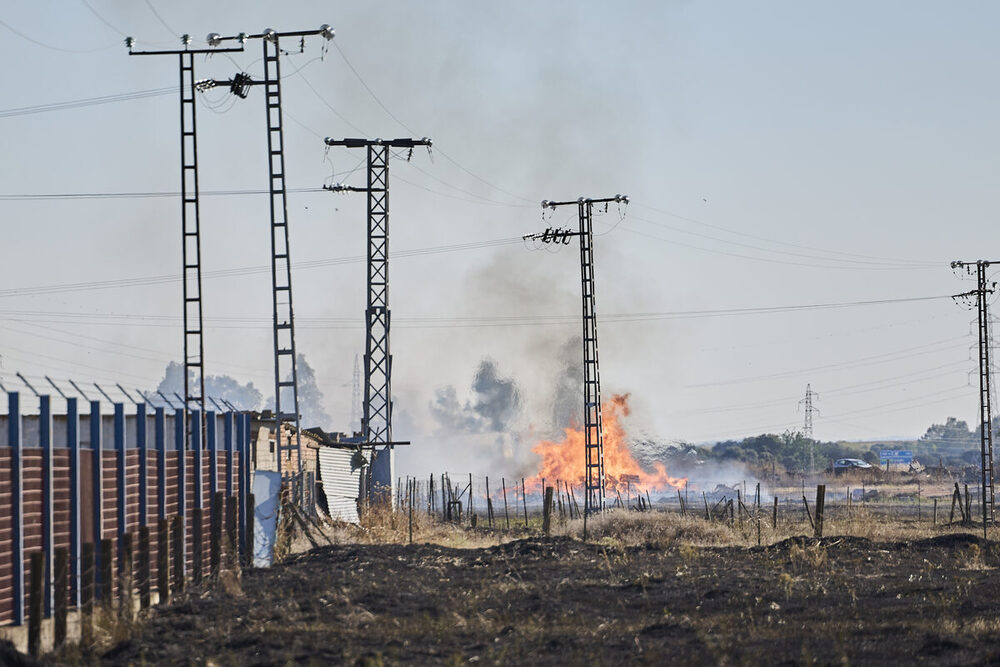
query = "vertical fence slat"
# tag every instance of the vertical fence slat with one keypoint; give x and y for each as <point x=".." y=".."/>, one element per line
<point x="228" y="434"/>
<point x="17" y="503"/>
<point x="242" y="436"/>
<point x="98" y="487"/>
<point x="159" y="434"/>
<point x="73" y="442"/>
<point x="180" y="440"/>
<point x="45" y="442"/>
<point x="196" y="445"/>
<point x="140" y="439"/>
<point x="213" y="458"/>
<point x="122" y="499"/>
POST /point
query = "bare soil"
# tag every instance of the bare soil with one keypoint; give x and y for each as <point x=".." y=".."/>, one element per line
<point x="844" y="600"/>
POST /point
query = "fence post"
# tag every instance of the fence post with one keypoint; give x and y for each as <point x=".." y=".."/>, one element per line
<point x="241" y="437"/>
<point x="178" y="543"/>
<point x="61" y="586"/>
<point x="144" y="568"/>
<point x="98" y="490"/>
<point x="547" y="511"/>
<point x="106" y="585"/>
<point x="774" y="516"/>
<point x="140" y="441"/>
<point x="215" y="557"/>
<point x="45" y="442"/>
<point x="163" y="560"/>
<point x="227" y="429"/>
<point x="197" y="522"/>
<point x="233" y="531"/>
<point x="119" y="432"/>
<point x="180" y="440"/>
<point x="17" y="504"/>
<point x="213" y="459"/>
<point x="125" y="580"/>
<point x="88" y="585"/>
<point x="73" y="442"/>
<point x="820" y="502"/>
<point x="35" y="595"/>
<point x="160" y="442"/>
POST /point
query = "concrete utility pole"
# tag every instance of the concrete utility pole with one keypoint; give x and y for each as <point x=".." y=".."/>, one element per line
<point x="593" y="429"/>
<point x="807" y="425"/>
<point x="983" y="288"/>
<point x="376" y="415"/>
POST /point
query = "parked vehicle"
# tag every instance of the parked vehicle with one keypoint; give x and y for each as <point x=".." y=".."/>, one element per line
<point x="847" y="465"/>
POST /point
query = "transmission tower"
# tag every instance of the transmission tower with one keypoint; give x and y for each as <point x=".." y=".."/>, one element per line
<point x="807" y="425"/>
<point x="356" y="395"/>
<point x="194" y="346"/>
<point x="376" y="416"/>
<point x="593" y="429"/>
<point x="983" y="288"/>
<point x="286" y="378"/>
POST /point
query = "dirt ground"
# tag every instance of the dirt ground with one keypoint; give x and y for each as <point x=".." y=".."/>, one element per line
<point x="557" y="600"/>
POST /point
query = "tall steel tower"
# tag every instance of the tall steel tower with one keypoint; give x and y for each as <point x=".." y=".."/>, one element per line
<point x="593" y="429"/>
<point x="984" y="287"/>
<point x="376" y="416"/>
<point x="807" y="424"/>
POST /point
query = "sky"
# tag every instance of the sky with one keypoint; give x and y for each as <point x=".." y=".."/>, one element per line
<point x="778" y="156"/>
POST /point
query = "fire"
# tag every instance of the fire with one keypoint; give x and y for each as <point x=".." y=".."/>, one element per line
<point x="565" y="460"/>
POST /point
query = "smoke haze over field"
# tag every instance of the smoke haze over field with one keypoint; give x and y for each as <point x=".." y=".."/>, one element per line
<point x="767" y="164"/>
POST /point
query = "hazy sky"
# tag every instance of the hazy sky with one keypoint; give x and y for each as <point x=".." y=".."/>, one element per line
<point x="776" y="154"/>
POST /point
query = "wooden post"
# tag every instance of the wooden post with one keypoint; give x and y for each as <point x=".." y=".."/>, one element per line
<point x="472" y="509"/>
<point x="61" y="587"/>
<point x="739" y="507"/>
<point x="215" y="549"/>
<point x="524" y="502"/>
<point x="430" y="496"/>
<point x="918" y="501"/>
<point x="489" y="503"/>
<point x="680" y="501"/>
<point x="503" y="483"/>
<point x="36" y="592"/>
<point x="232" y="534"/>
<point x="163" y="560"/>
<point x="708" y="515"/>
<point x="547" y="511"/>
<point x="820" y="502"/>
<point x="178" y="553"/>
<point x="125" y="580"/>
<point x="88" y="576"/>
<point x="197" y="539"/>
<point x="954" y="497"/>
<point x="808" y="515"/>
<point x="968" y="505"/>
<point x="413" y="483"/>
<point x="107" y="583"/>
<point x="774" y="514"/>
<point x="144" y="569"/>
<point x="935" y="511"/>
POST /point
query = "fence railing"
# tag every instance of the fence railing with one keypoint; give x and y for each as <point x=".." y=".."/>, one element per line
<point x="66" y="486"/>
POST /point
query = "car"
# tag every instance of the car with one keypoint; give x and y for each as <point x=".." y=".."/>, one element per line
<point x="847" y="465"/>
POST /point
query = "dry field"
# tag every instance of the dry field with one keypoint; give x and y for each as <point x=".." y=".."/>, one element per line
<point x="645" y="588"/>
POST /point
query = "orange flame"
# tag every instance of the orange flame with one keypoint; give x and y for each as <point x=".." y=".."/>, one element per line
<point x="565" y="460"/>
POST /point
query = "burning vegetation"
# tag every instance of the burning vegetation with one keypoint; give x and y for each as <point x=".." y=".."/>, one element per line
<point x="564" y="460"/>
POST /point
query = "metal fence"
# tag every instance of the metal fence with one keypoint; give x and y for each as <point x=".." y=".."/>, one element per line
<point x="73" y="480"/>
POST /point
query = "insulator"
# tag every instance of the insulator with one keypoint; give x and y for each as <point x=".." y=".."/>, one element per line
<point x="214" y="39"/>
<point x="129" y="42"/>
<point x="185" y="39"/>
<point x="326" y="31"/>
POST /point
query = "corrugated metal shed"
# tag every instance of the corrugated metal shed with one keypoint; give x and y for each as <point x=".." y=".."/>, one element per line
<point x="340" y="483"/>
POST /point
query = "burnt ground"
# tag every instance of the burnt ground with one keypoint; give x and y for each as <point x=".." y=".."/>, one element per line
<point x="559" y="601"/>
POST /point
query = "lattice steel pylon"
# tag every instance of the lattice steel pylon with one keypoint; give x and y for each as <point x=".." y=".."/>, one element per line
<point x="376" y="415"/>
<point x="594" y="481"/>
<point x="193" y="332"/>
<point x="807" y="424"/>
<point x="356" y="395"/>
<point x="983" y="288"/>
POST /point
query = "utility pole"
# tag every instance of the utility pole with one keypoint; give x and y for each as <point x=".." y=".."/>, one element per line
<point x="593" y="429"/>
<point x="983" y="288"/>
<point x="376" y="416"/>
<point x="283" y="321"/>
<point x="807" y="425"/>
<point x="356" y="395"/>
<point x="194" y="346"/>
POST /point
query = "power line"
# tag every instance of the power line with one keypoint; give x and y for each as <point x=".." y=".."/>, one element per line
<point x="49" y="46"/>
<point x="85" y="102"/>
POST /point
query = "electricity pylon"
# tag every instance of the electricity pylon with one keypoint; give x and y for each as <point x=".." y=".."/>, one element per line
<point x="983" y="288"/>
<point x="283" y="320"/>
<point x="807" y="424"/>
<point x="356" y="395"/>
<point x="376" y="414"/>
<point x="194" y="346"/>
<point x="593" y="428"/>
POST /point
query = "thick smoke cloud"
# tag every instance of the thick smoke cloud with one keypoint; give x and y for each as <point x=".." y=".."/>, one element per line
<point x="495" y="406"/>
